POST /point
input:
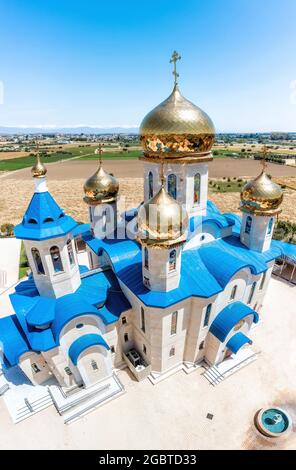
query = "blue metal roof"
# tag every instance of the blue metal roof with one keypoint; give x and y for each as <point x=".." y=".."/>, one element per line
<point x="84" y="342"/>
<point x="288" y="250"/>
<point x="12" y="340"/>
<point x="99" y="289"/>
<point x="224" y="257"/>
<point x="237" y="341"/>
<point x="229" y="317"/>
<point x="44" y="219"/>
<point x="205" y="270"/>
<point x="80" y="229"/>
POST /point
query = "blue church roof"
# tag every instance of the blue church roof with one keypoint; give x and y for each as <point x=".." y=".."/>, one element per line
<point x="237" y="341"/>
<point x="97" y="290"/>
<point x="229" y="317"/>
<point x="84" y="342"/>
<point x="288" y="250"/>
<point x="205" y="270"/>
<point x="44" y="219"/>
<point x="12" y="340"/>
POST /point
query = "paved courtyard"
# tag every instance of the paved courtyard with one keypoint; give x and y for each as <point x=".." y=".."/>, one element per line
<point x="172" y="414"/>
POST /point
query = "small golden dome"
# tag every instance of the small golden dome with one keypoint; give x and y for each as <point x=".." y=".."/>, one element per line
<point x="162" y="221"/>
<point x="38" y="170"/>
<point x="261" y="196"/>
<point x="176" y="128"/>
<point x="100" y="187"/>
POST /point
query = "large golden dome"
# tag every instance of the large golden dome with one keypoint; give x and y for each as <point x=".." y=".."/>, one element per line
<point x="176" y="128"/>
<point x="101" y="187"/>
<point x="162" y="221"/>
<point x="261" y="196"/>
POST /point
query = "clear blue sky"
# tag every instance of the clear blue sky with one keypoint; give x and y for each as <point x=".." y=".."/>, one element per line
<point x="106" y="63"/>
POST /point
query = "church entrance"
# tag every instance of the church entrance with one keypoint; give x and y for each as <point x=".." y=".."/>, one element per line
<point x="94" y="365"/>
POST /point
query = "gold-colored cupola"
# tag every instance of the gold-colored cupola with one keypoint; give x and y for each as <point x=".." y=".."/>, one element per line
<point x="261" y="196"/>
<point x="176" y="128"/>
<point x="101" y="187"/>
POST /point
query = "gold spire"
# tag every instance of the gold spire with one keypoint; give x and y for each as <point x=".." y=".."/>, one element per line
<point x="38" y="170"/>
<point x="99" y="151"/>
<point x="174" y="58"/>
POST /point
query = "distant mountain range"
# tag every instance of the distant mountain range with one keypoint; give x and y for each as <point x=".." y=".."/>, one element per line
<point x="69" y="130"/>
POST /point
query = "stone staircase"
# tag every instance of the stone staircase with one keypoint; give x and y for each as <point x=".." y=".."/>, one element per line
<point x="216" y="374"/>
<point x="30" y="406"/>
<point x="75" y="405"/>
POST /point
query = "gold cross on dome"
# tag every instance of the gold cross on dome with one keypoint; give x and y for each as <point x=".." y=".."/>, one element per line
<point x="264" y="154"/>
<point x="99" y="151"/>
<point x="174" y="58"/>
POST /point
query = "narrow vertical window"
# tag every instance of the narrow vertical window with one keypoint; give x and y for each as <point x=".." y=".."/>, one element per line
<point x="269" y="228"/>
<point x="125" y="337"/>
<point x="56" y="259"/>
<point x="146" y="262"/>
<point x="262" y="281"/>
<point x="37" y="260"/>
<point x="70" y="252"/>
<point x="94" y="365"/>
<point x="172" y="185"/>
<point x="252" y="292"/>
<point x="142" y="320"/>
<point x="248" y="224"/>
<point x="150" y="185"/>
<point x="172" y="260"/>
<point x="144" y="349"/>
<point x="207" y="315"/>
<point x="196" y="188"/>
<point x="233" y="293"/>
<point x="174" y="323"/>
<point x="172" y="351"/>
<point x="90" y="214"/>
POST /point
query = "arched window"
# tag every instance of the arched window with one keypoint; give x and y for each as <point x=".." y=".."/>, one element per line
<point x="269" y="228"/>
<point x="146" y="263"/>
<point x="172" y="351"/>
<point x="262" y="280"/>
<point x="201" y="346"/>
<point x="172" y="260"/>
<point x="70" y="252"/>
<point x="37" y="260"/>
<point x="233" y="293"/>
<point x="196" y="188"/>
<point x="207" y="315"/>
<point x="252" y="292"/>
<point x="174" y="323"/>
<point x="94" y="365"/>
<point x="172" y="185"/>
<point x="56" y="259"/>
<point x="150" y="185"/>
<point x="248" y="224"/>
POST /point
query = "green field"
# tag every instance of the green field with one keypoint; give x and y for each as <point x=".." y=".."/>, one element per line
<point x="226" y="185"/>
<point x="131" y="155"/>
<point x="24" y="162"/>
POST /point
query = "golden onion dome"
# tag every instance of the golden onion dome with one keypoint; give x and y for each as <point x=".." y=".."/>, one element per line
<point x="38" y="170"/>
<point x="261" y="196"/>
<point x="176" y="128"/>
<point x="162" y="221"/>
<point x="101" y="187"/>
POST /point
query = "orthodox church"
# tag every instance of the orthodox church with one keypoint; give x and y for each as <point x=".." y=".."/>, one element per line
<point x="170" y="284"/>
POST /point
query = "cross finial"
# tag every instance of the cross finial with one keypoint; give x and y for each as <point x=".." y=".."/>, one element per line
<point x="99" y="151"/>
<point x="162" y="179"/>
<point x="263" y="161"/>
<point x="174" y="58"/>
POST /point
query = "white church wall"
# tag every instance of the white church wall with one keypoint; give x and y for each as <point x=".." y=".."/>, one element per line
<point x="35" y="367"/>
